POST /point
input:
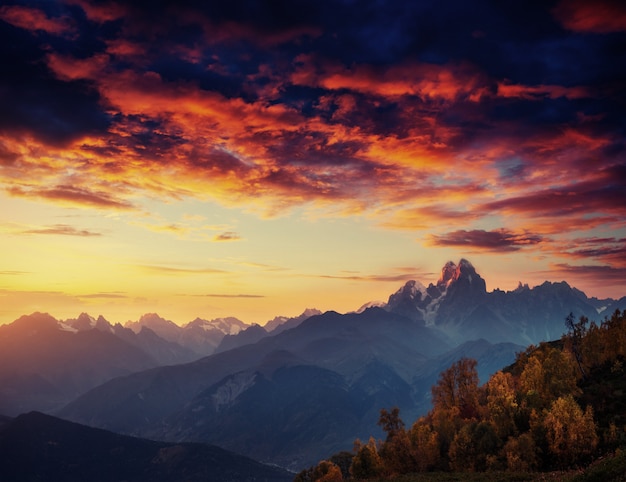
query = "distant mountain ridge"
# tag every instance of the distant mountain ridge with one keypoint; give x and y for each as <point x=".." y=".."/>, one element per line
<point x="45" y="363"/>
<point x="35" y="446"/>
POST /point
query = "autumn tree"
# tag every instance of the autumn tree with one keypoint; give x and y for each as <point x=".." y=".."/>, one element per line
<point x="457" y="387"/>
<point x="576" y="331"/>
<point x="472" y="446"/>
<point x="396" y="452"/>
<point x="570" y="432"/>
<point x="521" y="453"/>
<point x="390" y="422"/>
<point x="366" y="463"/>
<point x="548" y="375"/>
<point x="424" y="445"/>
<point x="501" y="403"/>
<point x="455" y="401"/>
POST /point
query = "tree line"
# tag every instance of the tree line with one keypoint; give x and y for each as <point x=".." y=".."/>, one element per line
<point x="535" y="415"/>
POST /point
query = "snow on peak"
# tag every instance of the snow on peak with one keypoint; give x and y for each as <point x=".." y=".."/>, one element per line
<point x="371" y="304"/>
<point x="228" y="326"/>
<point x="65" y="327"/>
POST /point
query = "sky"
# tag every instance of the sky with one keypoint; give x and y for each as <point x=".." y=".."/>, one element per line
<point x="253" y="159"/>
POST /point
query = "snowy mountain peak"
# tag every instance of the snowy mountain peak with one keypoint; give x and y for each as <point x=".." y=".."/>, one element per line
<point x="164" y="328"/>
<point x="371" y="304"/>
<point x="83" y="322"/>
<point x="413" y="290"/>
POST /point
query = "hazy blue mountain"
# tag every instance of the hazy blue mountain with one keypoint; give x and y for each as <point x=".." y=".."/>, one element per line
<point x="252" y="334"/>
<point x="290" y="399"/>
<point x="45" y="363"/>
<point x="200" y="337"/>
<point x="35" y="446"/>
<point x="281" y="323"/>
<point x="162" y="351"/>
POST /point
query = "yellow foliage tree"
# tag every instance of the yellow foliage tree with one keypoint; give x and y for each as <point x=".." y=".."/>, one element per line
<point x="548" y="375"/>
<point x="424" y="445"/>
<point x="367" y="463"/>
<point x="502" y="403"/>
<point x="570" y="433"/>
<point x="520" y="453"/>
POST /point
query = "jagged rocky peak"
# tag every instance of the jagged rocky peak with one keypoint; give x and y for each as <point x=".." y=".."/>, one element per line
<point x="521" y="287"/>
<point x="447" y="275"/>
<point x="452" y="272"/>
<point x="411" y="289"/>
<point x="83" y="322"/>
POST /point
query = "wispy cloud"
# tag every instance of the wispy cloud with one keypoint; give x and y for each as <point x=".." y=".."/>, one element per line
<point x="73" y="195"/>
<point x="170" y="270"/>
<point x="227" y="236"/>
<point x="111" y="295"/>
<point x="608" y="274"/>
<point x="221" y="295"/>
<point x="401" y="275"/>
<point x="63" y="230"/>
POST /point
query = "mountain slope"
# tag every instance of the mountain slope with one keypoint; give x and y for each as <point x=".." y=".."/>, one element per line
<point x="40" y="447"/>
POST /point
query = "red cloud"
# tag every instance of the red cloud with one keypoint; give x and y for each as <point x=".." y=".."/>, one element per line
<point x="34" y="20"/>
<point x="600" y="16"/>
<point x="538" y="92"/>
<point x="100" y="12"/>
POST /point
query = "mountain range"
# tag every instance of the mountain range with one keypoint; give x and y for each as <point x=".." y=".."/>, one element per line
<point x="296" y="390"/>
<point x="45" y="363"/>
<point x="460" y="308"/>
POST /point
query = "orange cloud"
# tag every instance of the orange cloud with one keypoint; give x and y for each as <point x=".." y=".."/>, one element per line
<point x="448" y="82"/>
<point x="73" y="195"/>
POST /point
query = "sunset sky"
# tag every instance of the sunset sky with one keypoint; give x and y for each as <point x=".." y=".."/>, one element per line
<point x="252" y="159"/>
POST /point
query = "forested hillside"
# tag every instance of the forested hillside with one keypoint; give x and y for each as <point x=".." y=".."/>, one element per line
<point x="560" y="406"/>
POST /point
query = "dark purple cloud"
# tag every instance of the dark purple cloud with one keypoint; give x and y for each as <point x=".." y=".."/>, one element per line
<point x="499" y="240"/>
